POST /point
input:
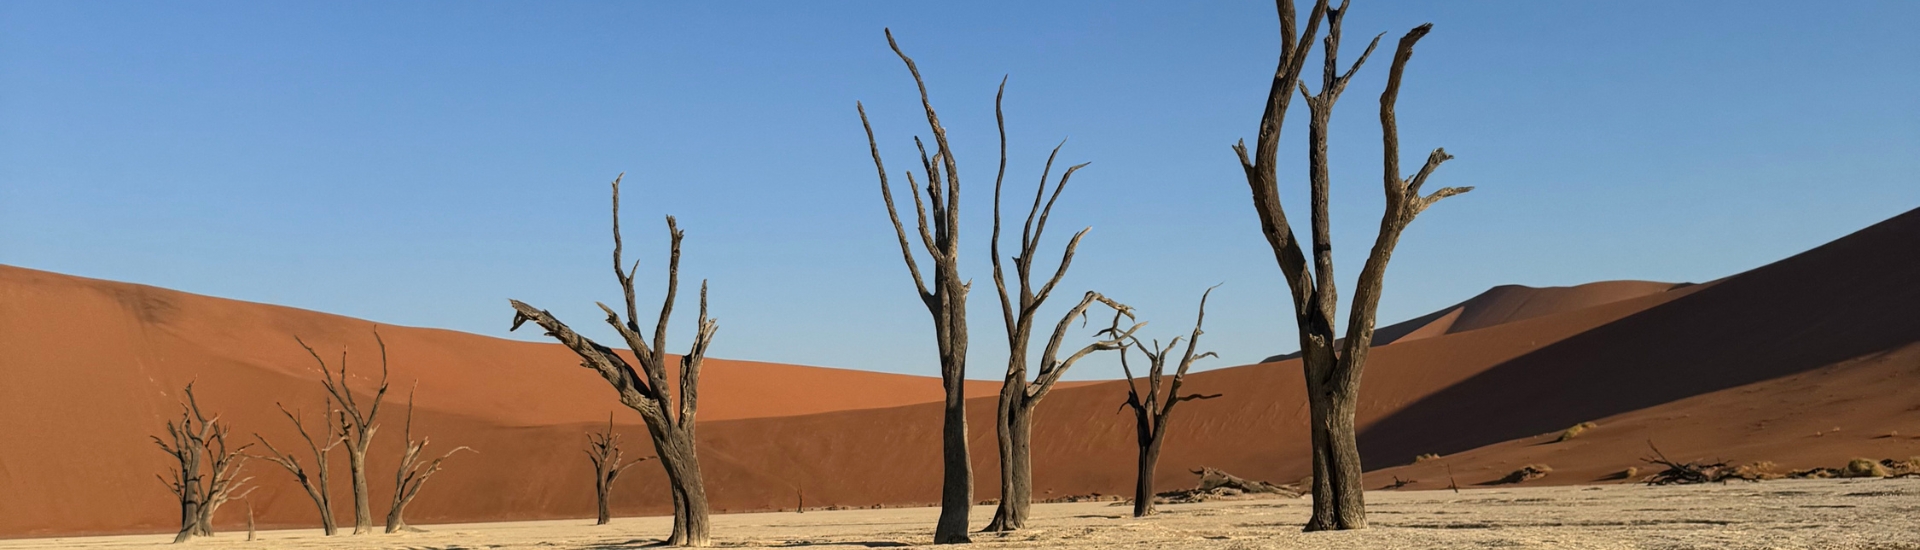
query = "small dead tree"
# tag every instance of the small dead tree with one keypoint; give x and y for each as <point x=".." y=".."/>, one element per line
<point x="1332" y="367"/>
<point x="947" y="302"/>
<point x="209" y="472"/>
<point x="1018" y="395"/>
<point x="673" y="436"/>
<point x="604" y="450"/>
<point x="412" y="474"/>
<point x="1152" y="410"/>
<point x="358" y="424"/>
<point x="317" y="483"/>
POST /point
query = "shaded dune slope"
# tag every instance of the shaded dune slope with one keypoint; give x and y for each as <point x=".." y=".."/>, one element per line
<point x="1851" y="298"/>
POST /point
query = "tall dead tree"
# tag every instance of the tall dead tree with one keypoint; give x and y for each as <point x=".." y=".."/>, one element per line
<point x="209" y="472"/>
<point x="411" y="474"/>
<point x="317" y="483"/>
<point x="947" y="302"/>
<point x="604" y="450"/>
<point x="673" y="436"/>
<point x="1152" y="410"/>
<point x="1018" y="395"/>
<point x="1332" y="367"/>
<point x="358" y="425"/>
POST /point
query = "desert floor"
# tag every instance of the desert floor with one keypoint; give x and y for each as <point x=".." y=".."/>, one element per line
<point x="1826" y="514"/>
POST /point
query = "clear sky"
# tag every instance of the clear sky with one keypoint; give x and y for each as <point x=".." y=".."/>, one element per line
<point x="418" y="163"/>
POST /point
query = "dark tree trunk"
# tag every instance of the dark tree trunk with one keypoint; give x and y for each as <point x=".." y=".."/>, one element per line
<point x="208" y="471"/>
<point x="1154" y="407"/>
<point x="1143" y="482"/>
<point x="603" y="449"/>
<point x="318" y="486"/>
<point x="411" y="474"/>
<point x="646" y="390"/>
<point x="1018" y="396"/>
<point x="956" y="481"/>
<point x="189" y="518"/>
<point x="691" y="526"/>
<point x="1332" y="377"/>
<point x="600" y="495"/>
<point x="946" y="302"/>
<point x="1016" y="467"/>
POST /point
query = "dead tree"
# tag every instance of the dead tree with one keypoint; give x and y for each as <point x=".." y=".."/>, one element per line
<point x="1332" y="375"/>
<point x="317" y="484"/>
<point x="673" y="436"/>
<point x="604" y="450"/>
<point x="357" y="425"/>
<point x="1152" y="410"/>
<point x="208" y="473"/>
<point x="411" y="474"/>
<point x="947" y="302"/>
<point x="1019" y="396"/>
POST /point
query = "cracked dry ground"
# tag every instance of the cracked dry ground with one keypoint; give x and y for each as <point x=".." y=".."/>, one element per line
<point x="1824" y="514"/>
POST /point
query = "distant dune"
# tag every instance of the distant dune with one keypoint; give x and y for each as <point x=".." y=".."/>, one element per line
<point x="1508" y="303"/>
<point x="90" y="368"/>
<point x="1763" y="365"/>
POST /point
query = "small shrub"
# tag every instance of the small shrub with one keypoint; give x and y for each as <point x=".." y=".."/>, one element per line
<point x="1425" y="457"/>
<point x="1575" y="431"/>
<point x="1529" y="472"/>
<point x="1754" y="471"/>
<point x="1861" y="467"/>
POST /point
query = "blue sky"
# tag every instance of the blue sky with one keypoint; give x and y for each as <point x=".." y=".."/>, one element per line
<point x="419" y="163"/>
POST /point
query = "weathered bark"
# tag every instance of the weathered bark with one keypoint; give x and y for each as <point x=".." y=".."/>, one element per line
<point x="411" y="474"/>
<point x="1332" y="367"/>
<point x="673" y="435"/>
<point x="946" y="302"/>
<point x="357" y="425"/>
<point x="1015" y="425"/>
<point x="1019" y="397"/>
<point x="604" y="450"/>
<point x="209" y="472"/>
<point x="1143" y="492"/>
<point x="317" y="485"/>
<point x="1152" y="410"/>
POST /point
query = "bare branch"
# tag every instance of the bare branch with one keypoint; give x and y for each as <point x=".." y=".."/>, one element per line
<point x="887" y="194"/>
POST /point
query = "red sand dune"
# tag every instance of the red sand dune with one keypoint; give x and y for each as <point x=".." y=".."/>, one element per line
<point x="1747" y="368"/>
<point x="89" y="369"/>
<point x="1509" y="303"/>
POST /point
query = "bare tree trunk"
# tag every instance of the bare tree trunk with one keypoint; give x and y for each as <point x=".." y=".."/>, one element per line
<point x="1332" y="375"/>
<point x="646" y="391"/>
<point x="946" y="302"/>
<point x="604" y="450"/>
<point x="1018" y="396"/>
<point x="956" y="481"/>
<point x="411" y="474"/>
<point x="209" y="472"/>
<point x="357" y="425"/>
<point x="1154" y="407"/>
<point x="317" y="486"/>
<point x="1016" y="469"/>
<point x="1143" y="480"/>
<point x="362" y="506"/>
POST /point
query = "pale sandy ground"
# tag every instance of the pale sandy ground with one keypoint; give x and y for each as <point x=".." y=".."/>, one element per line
<point x="1824" y="514"/>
